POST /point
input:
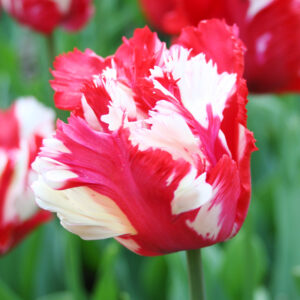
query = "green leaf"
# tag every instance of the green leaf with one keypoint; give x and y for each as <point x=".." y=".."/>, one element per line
<point x="57" y="296"/>
<point x="155" y="274"/>
<point x="73" y="272"/>
<point x="107" y="286"/>
<point x="244" y="266"/>
<point x="296" y="275"/>
<point x="178" y="279"/>
<point x="29" y="263"/>
<point x="7" y="293"/>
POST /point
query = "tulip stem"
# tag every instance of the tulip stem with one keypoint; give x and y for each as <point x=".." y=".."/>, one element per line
<point x="195" y="271"/>
<point x="51" y="48"/>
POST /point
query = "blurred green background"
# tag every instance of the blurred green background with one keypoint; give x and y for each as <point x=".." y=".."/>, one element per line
<point x="262" y="262"/>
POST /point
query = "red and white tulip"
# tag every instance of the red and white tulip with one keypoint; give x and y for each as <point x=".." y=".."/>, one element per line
<point x="156" y="151"/>
<point x="23" y="127"/>
<point x="45" y="15"/>
<point x="270" y="30"/>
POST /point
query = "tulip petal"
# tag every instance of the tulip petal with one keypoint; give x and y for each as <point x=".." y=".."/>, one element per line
<point x="215" y="219"/>
<point x="273" y="58"/>
<point x="29" y="122"/>
<point x="83" y="211"/>
<point x="78" y="14"/>
<point x="71" y="71"/>
<point x="218" y="41"/>
<point x="44" y="16"/>
<point x="156" y="141"/>
<point x="200" y="84"/>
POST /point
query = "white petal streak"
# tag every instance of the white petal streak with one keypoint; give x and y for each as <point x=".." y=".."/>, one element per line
<point x="3" y="161"/>
<point x="63" y="5"/>
<point x="169" y="132"/>
<point x="54" y="146"/>
<point x="199" y="83"/>
<point x="191" y="193"/>
<point x="255" y="6"/>
<point x="122" y="103"/>
<point x="89" y="115"/>
<point x="83" y="211"/>
<point x="207" y="222"/>
<point x="16" y="6"/>
<point x="129" y="243"/>
<point x="19" y="201"/>
<point x="34" y="118"/>
<point x="54" y="173"/>
<point x="262" y="44"/>
<point x="242" y="142"/>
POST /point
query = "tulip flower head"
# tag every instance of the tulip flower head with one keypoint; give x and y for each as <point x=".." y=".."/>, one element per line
<point x="156" y="151"/>
<point x="45" y="15"/>
<point x="23" y="127"/>
<point x="270" y="30"/>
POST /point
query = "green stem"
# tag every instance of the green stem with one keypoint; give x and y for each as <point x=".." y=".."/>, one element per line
<point x="51" y="48"/>
<point x="196" y="279"/>
<point x="249" y="276"/>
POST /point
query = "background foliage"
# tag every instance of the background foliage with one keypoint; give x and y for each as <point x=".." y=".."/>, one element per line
<point x="261" y="263"/>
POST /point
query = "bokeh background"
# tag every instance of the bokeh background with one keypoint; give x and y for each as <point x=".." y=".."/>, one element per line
<point x="262" y="262"/>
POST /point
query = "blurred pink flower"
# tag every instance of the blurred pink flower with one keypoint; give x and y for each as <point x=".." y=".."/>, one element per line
<point x="270" y="30"/>
<point x="45" y="15"/>
<point x="156" y="152"/>
<point x="23" y="127"/>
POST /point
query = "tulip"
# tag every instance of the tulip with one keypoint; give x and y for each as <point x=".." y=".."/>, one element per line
<point x="270" y="30"/>
<point x="156" y="151"/>
<point x="45" y="15"/>
<point x="24" y="125"/>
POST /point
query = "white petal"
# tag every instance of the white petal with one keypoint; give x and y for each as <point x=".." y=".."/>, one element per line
<point x="255" y="6"/>
<point x="122" y="103"/>
<point x="89" y="115"/>
<point x="169" y="132"/>
<point x="129" y="243"/>
<point x="200" y="84"/>
<point x="207" y="222"/>
<point x="191" y="193"/>
<point x="55" y="146"/>
<point x="19" y="199"/>
<point x="63" y="5"/>
<point x="3" y="161"/>
<point x="83" y="211"/>
<point x="34" y="118"/>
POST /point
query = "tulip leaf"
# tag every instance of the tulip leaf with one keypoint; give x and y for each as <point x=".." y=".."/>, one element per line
<point x="296" y="275"/>
<point x="57" y="296"/>
<point x="6" y="293"/>
<point x="178" y="280"/>
<point x="244" y="266"/>
<point x="106" y="285"/>
<point x="74" y="274"/>
<point x="155" y="274"/>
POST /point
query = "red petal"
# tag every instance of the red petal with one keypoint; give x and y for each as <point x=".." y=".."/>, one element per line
<point x="79" y="14"/>
<point x="42" y="16"/>
<point x="13" y="233"/>
<point x="156" y="9"/>
<point x="143" y="182"/>
<point x="226" y="181"/>
<point x="18" y="212"/>
<point x="6" y="177"/>
<point x="9" y="138"/>
<point x="71" y="72"/>
<point x="136" y="56"/>
<point x="204" y="9"/>
<point x="218" y="42"/>
<point x="273" y="41"/>
<point x="246" y="147"/>
<point x="137" y="181"/>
